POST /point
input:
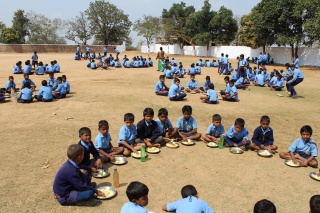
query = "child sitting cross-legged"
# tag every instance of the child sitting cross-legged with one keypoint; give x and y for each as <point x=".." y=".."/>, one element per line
<point x="187" y="125"/>
<point x="211" y="96"/>
<point x="237" y="135"/>
<point x="215" y="130"/>
<point x="44" y="93"/>
<point x="165" y="126"/>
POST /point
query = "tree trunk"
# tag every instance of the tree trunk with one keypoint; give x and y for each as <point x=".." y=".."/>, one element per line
<point x="292" y="52"/>
<point x="296" y="49"/>
<point x="208" y="49"/>
<point x="181" y="48"/>
<point x="264" y="48"/>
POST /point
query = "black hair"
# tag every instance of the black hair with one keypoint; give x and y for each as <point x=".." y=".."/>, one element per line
<point x="64" y="76"/>
<point x="10" y="77"/>
<point x="306" y="128"/>
<point x="176" y="80"/>
<point x="27" y="84"/>
<point x="59" y="79"/>
<point x="187" y="108"/>
<point x="27" y="62"/>
<point x="74" y="151"/>
<point x="163" y="111"/>
<point x="265" y="118"/>
<point x="162" y="76"/>
<point x="44" y="83"/>
<point x="216" y="117"/>
<point x="136" y="190"/>
<point x="40" y="63"/>
<point x="26" y="74"/>
<point x="232" y="81"/>
<point x="192" y="65"/>
<point x="148" y="111"/>
<point x="287" y="65"/>
<point x="227" y="78"/>
<point x="211" y="86"/>
<point x="315" y="204"/>
<point x="207" y="77"/>
<point x="103" y="123"/>
<point x="193" y="75"/>
<point x="264" y="206"/>
<point x="188" y="190"/>
<point x="84" y="130"/>
<point x="128" y="117"/>
<point x="239" y="122"/>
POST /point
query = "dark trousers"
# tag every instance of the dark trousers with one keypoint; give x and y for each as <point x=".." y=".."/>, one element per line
<point x="178" y="97"/>
<point x="232" y="141"/>
<point x="294" y="83"/>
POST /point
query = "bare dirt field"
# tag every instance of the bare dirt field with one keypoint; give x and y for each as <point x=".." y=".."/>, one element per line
<point x="36" y="133"/>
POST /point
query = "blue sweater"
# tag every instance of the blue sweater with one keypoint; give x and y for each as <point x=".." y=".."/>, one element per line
<point x="85" y="164"/>
<point x="259" y="138"/>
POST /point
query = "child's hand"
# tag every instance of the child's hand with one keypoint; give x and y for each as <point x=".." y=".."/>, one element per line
<point x="100" y="193"/>
<point x="235" y="145"/>
<point x="262" y="146"/>
<point x="305" y="163"/>
<point x="112" y="158"/>
<point x="94" y="170"/>
<point x="99" y="164"/>
<point x="114" y="149"/>
<point x="235" y="132"/>
<point x="244" y="141"/>
<point x="294" y="160"/>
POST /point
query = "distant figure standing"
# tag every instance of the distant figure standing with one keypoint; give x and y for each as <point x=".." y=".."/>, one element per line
<point x="268" y="57"/>
<point x="34" y="58"/>
<point x="296" y="62"/>
<point x="88" y="51"/>
<point x="78" y="52"/>
<point x="117" y="53"/>
<point x="160" y="56"/>
<point x="105" y="51"/>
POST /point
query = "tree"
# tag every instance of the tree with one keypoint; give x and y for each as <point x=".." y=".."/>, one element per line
<point x="20" y="24"/>
<point x="148" y="27"/>
<point x="10" y="36"/>
<point x="43" y="30"/>
<point x="79" y="29"/>
<point x="2" y="26"/>
<point x="108" y="23"/>
<point x="246" y="32"/>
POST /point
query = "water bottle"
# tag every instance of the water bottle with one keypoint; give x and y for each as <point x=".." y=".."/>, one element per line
<point x="221" y="144"/>
<point x="115" y="178"/>
<point x="143" y="154"/>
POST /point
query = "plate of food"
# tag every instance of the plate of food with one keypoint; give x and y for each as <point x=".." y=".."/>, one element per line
<point x="236" y="150"/>
<point x="264" y="153"/>
<point x="153" y="150"/>
<point x="108" y="191"/>
<point x="7" y="96"/>
<point x="292" y="164"/>
<point x="188" y="142"/>
<point x="119" y="160"/>
<point x="212" y="144"/>
<point x="101" y="173"/>
<point x="315" y="176"/>
<point x="137" y="155"/>
<point x="172" y="144"/>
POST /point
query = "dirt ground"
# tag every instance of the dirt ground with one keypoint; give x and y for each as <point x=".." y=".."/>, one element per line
<point x="36" y="133"/>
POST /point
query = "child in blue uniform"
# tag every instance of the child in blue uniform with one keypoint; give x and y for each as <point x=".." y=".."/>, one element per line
<point x="215" y="130"/>
<point x="166" y="129"/>
<point x="303" y="149"/>
<point x="161" y="88"/>
<point x="103" y="143"/>
<point x="66" y="83"/>
<point x="297" y="79"/>
<point x="18" y="68"/>
<point x="25" y="94"/>
<point x="70" y="185"/>
<point x="206" y="84"/>
<point x="40" y="69"/>
<point x="191" y="70"/>
<point x="52" y="81"/>
<point x="278" y="84"/>
<point x="60" y="91"/>
<point x="10" y="85"/>
<point x="192" y="85"/>
<point x="34" y="58"/>
<point x="198" y="69"/>
<point x="263" y="136"/>
<point x="190" y="202"/>
<point x="56" y="66"/>
<point x="238" y="135"/>
<point x="211" y="96"/>
<point x="44" y="93"/>
<point x="137" y="194"/>
<point x="226" y="80"/>
<point x="187" y="125"/>
<point x="175" y="91"/>
<point x="231" y="94"/>
<point x="27" y="79"/>
<point x="27" y="68"/>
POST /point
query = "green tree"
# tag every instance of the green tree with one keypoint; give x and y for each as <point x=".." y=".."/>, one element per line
<point x="79" y="29"/>
<point x="246" y="32"/>
<point x="10" y="36"/>
<point x="108" y="23"/>
<point x="148" y="27"/>
<point x="20" y="23"/>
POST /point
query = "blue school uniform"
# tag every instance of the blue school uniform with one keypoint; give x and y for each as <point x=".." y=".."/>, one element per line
<point x="181" y="72"/>
<point x="214" y="64"/>
<point x="26" y="94"/>
<point x="250" y="75"/>
<point x="174" y="91"/>
<point x="199" y="63"/>
<point x="40" y="70"/>
<point x="49" y="69"/>
<point x="10" y="85"/>
<point x="266" y="76"/>
<point x="34" y="57"/>
<point x="103" y="142"/>
<point x="93" y="56"/>
<point x="150" y="63"/>
<point x="16" y="70"/>
<point x="189" y="204"/>
<point x="192" y="71"/>
<point x="273" y="80"/>
<point x="61" y="89"/>
<point x="24" y="81"/>
<point x="279" y="83"/>
<point x="226" y="60"/>
<point x="186" y="125"/>
<point x="296" y="63"/>
<point x="221" y="60"/>
<point x="239" y="136"/>
<point x="66" y="85"/>
<point x="27" y="69"/>
<point x="206" y="84"/>
<point x="127" y="134"/>
<point x="93" y="65"/>
<point x="198" y="69"/>
<point x="52" y="82"/>
<point x="239" y="81"/>
<point x="117" y="64"/>
<point x="296" y="74"/>
<point x="168" y="73"/>
<point x="136" y="64"/>
<point x="174" y="69"/>
<point x="207" y="64"/>
<point x="127" y="64"/>
<point x="260" y="58"/>
<point x="56" y="68"/>
<point x="192" y="84"/>
<point x="45" y="92"/>
<point x="140" y="63"/>
<point x="105" y="50"/>
<point x="159" y="85"/>
<point x="88" y="149"/>
<point x="227" y="87"/>
<point x="130" y="207"/>
<point x="259" y="79"/>
<point x="174" y="62"/>
<point x="242" y="62"/>
<point x="232" y="91"/>
<point x="234" y="76"/>
<point x="263" y="137"/>
<point x="304" y="148"/>
<point x="215" y="131"/>
<point x="162" y="126"/>
<point x="212" y="95"/>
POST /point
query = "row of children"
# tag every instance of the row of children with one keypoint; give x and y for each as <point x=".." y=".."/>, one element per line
<point x="41" y="69"/>
<point x="79" y="55"/>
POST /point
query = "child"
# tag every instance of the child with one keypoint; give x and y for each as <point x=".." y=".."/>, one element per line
<point x="61" y="91"/>
<point x="27" y="79"/>
<point x="86" y="165"/>
<point x="70" y="185"/>
<point x="259" y="80"/>
<point x="198" y="69"/>
<point x="25" y="94"/>
<point x="56" y="66"/>
<point x="263" y="136"/>
<point x="241" y="84"/>
<point x="187" y="125"/>
<point x="303" y="149"/>
<point x="175" y="91"/>
<point x="314" y="204"/>
<point x="278" y="84"/>
<point x="161" y="88"/>
<point x="190" y="202"/>
<point x="148" y="131"/>
<point x="206" y="84"/>
<point x="150" y="62"/>
<point x="44" y="93"/>
<point x="237" y="135"/>
<point x="215" y="130"/>
<point x="93" y="65"/>
<point x="40" y="69"/>
<point x="27" y="68"/>
<point x="168" y="72"/>
<point x="264" y="206"/>
<point x="49" y="69"/>
<point x="52" y="81"/>
<point x="10" y="85"/>
<point x="226" y="80"/>
<point x="181" y="71"/>
<point x="34" y="58"/>
<point x="137" y="194"/>
<point x="211" y="97"/>
<point x="231" y="94"/>
<point x="192" y="85"/>
<point x="103" y="143"/>
<point x="192" y="70"/>
<point x="66" y="83"/>
<point x="17" y="69"/>
<point x="127" y="136"/>
<point x="165" y="127"/>
<point x="297" y="79"/>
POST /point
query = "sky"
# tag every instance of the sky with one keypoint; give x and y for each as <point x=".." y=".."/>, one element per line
<point x="66" y="9"/>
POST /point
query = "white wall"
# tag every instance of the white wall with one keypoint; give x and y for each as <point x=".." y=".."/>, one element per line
<point x="281" y="55"/>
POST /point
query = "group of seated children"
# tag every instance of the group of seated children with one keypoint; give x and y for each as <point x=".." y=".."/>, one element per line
<point x="54" y="88"/>
<point x="137" y="62"/>
<point x="41" y="69"/>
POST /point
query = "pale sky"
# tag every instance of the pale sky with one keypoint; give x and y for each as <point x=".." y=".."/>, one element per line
<point x="66" y="9"/>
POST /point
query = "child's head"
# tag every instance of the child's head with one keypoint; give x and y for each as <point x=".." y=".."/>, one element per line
<point x="11" y="78"/>
<point x="176" y="81"/>
<point x="231" y="82"/>
<point x="51" y="75"/>
<point x="211" y="86"/>
<point x="27" y="62"/>
<point x="59" y="80"/>
<point x="85" y="134"/>
<point x="26" y="76"/>
<point x="216" y="120"/>
<point x="188" y="191"/>
<point x="148" y="114"/>
<point x="174" y="75"/>
<point x="75" y="153"/>
<point x="207" y="78"/>
<point x="187" y="111"/>
<point x="103" y="127"/>
<point x="163" y="114"/>
<point x="192" y="65"/>
<point x="306" y="132"/>
<point x="44" y="83"/>
<point x="40" y="63"/>
<point x="315" y="204"/>
<point x="264" y="206"/>
<point x="192" y="77"/>
<point x="64" y="77"/>
<point x="265" y="122"/>
<point x="137" y="193"/>
<point x="162" y="78"/>
<point x="226" y="79"/>
<point x="128" y="119"/>
<point x="27" y="85"/>
<point x="239" y="124"/>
